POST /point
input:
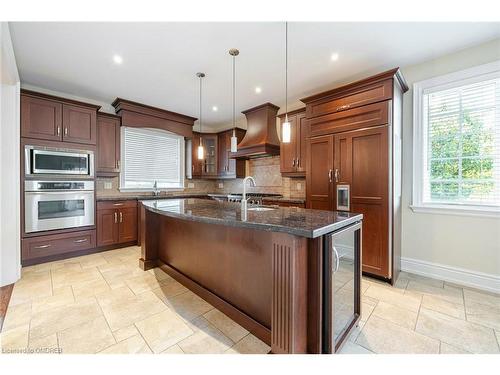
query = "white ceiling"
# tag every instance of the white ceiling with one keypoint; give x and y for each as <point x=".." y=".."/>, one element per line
<point x="160" y="60"/>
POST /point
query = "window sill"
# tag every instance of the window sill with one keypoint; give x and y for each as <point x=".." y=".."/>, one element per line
<point x="454" y="210"/>
<point x="138" y="190"/>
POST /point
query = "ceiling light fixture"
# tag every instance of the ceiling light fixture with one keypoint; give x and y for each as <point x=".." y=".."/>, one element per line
<point x="117" y="59"/>
<point x="234" y="141"/>
<point x="214" y="108"/>
<point x="258" y="90"/>
<point x="286" y="127"/>
<point x="201" y="150"/>
<point x="335" y="56"/>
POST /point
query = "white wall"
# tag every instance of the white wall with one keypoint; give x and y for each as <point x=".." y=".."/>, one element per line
<point x="10" y="264"/>
<point x="464" y="242"/>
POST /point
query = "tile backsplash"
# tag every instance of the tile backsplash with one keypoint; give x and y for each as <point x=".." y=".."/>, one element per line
<point x="266" y="172"/>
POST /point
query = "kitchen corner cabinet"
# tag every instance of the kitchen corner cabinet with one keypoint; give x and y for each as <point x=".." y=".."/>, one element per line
<point x="116" y="222"/>
<point x="293" y="155"/>
<point x="57" y="119"/>
<point x="108" y="145"/>
<point x="217" y="162"/>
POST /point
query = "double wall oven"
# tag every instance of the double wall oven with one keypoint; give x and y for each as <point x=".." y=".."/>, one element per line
<point x="59" y="188"/>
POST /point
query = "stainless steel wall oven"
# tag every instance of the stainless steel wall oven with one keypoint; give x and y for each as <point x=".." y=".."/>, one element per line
<point x="51" y="205"/>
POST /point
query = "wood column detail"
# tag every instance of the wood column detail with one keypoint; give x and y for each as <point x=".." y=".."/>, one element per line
<point x="289" y="302"/>
<point x="149" y="240"/>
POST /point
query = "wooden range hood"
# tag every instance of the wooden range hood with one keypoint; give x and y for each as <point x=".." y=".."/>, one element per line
<point x="261" y="138"/>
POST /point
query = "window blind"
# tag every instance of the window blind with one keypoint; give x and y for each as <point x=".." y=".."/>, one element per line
<point x="462" y="144"/>
<point x="151" y="155"/>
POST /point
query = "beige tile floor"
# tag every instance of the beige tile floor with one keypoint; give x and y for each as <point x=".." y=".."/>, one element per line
<point x="103" y="303"/>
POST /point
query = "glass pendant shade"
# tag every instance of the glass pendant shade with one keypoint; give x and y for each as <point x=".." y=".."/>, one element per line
<point x="201" y="152"/>
<point x="286" y="131"/>
<point x="234" y="142"/>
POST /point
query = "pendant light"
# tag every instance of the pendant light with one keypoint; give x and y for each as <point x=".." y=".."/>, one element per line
<point x="234" y="141"/>
<point x="286" y="127"/>
<point x="201" y="150"/>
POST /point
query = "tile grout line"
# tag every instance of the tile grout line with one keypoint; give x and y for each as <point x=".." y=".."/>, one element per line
<point x="147" y="343"/>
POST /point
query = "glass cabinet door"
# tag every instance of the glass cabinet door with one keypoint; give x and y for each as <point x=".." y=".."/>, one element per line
<point x="210" y="144"/>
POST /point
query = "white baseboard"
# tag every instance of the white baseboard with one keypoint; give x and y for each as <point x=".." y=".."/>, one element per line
<point x="455" y="275"/>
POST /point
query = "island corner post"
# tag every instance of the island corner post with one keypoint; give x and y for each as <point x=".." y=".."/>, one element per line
<point x="271" y="283"/>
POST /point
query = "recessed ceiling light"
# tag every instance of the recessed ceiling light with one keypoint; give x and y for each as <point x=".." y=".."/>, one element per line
<point x="335" y="56"/>
<point x="258" y="90"/>
<point x="214" y="108"/>
<point x="117" y="59"/>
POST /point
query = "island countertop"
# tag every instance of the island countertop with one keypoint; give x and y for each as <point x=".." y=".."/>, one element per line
<point x="297" y="221"/>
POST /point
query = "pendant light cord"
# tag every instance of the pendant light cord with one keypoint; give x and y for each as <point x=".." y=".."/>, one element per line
<point x="286" y="69"/>
<point x="200" y="106"/>
<point x="234" y="89"/>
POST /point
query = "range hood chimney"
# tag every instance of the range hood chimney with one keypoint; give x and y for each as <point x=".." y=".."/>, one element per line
<point x="261" y="138"/>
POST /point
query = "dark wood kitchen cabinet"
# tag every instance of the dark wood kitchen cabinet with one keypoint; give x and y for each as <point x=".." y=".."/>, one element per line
<point x="216" y="163"/>
<point x="53" y="118"/>
<point x="116" y="222"/>
<point x="79" y="124"/>
<point x="108" y="145"/>
<point x="228" y="167"/>
<point x="41" y="249"/>
<point x="41" y="118"/>
<point x="354" y="162"/>
<point x="197" y="164"/>
<point x="207" y="167"/>
<point x="319" y="187"/>
<point x="293" y="155"/>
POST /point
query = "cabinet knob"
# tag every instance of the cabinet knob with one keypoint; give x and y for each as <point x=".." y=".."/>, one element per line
<point x="116" y="218"/>
<point x="330" y="175"/>
<point x="80" y="240"/>
<point x="293" y="162"/>
<point x="58" y="130"/>
<point x="65" y="131"/>
<point x="121" y="217"/>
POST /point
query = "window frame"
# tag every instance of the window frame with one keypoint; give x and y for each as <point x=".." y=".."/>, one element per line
<point x="439" y="83"/>
<point x="182" y="161"/>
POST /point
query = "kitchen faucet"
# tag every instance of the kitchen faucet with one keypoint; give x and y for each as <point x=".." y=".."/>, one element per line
<point x="244" y="198"/>
<point x="156" y="191"/>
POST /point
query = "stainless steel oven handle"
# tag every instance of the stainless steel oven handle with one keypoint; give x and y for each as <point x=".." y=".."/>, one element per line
<point x="337" y="259"/>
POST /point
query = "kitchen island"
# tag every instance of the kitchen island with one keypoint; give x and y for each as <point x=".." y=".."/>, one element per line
<point x="269" y="269"/>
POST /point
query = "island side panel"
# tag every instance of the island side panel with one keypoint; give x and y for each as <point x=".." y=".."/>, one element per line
<point x="224" y="265"/>
<point x="315" y="295"/>
<point x="149" y="239"/>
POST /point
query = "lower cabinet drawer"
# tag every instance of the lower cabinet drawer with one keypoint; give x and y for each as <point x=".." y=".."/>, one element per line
<point x="43" y="246"/>
<point x="108" y="205"/>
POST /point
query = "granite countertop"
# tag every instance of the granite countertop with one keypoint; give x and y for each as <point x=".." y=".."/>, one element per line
<point x="297" y="221"/>
<point x="149" y="196"/>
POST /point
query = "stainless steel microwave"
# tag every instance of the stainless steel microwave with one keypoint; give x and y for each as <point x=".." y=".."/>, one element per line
<point x="40" y="160"/>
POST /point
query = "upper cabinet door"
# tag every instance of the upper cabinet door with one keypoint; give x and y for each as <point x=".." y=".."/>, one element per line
<point x="41" y="118"/>
<point x="288" y="151"/>
<point x="222" y="156"/>
<point x="79" y="124"/>
<point x="197" y="164"/>
<point x="319" y="179"/>
<point x="209" y="142"/>
<point x="108" y="146"/>
<point x="302" y="134"/>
